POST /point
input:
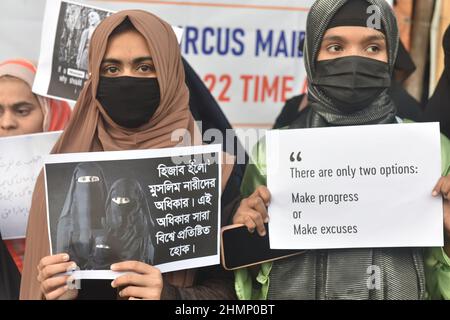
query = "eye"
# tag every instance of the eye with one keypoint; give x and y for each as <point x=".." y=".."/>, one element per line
<point x="373" y="49"/>
<point x="23" y="112"/>
<point x="146" y="68"/>
<point x="334" y="48"/>
<point x="87" y="179"/>
<point x="83" y="179"/>
<point x="110" y="70"/>
<point x="121" y="200"/>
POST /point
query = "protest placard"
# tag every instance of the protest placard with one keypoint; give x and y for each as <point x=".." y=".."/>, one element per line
<point x="355" y="187"/>
<point x="159" y="206"/>
<point x="21" y="160"/>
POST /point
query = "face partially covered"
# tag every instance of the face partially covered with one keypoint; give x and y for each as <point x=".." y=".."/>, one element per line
<point x="128" y="89"/>
<point x="124" y="202"/>
<point x="121" y="200"/>
<point x="20" y="112"/>
<point x="352" y="68"/>
<point x="127" y="54"/>
<point x="88" y="179"/>
<point x="347" y="41"/>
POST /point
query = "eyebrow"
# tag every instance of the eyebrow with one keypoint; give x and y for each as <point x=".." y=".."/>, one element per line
<point x="134" y="61"/>
<point x="19" y="104"/>
<point x="334" y="38"/>
<point x="378" y="37"/>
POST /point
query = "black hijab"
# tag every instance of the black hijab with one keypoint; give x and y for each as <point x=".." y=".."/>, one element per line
<point x="438" y="107"/>
<point x="407" y="106"/>
<point x="128" y="223"/>
<point x="82" y="213"/>
<point x="323" y="15"/>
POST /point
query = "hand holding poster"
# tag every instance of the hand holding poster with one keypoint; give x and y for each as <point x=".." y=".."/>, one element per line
<point x="354" y="187"/>
<point x="159" y="206"/>
<point x="21" y="159"/>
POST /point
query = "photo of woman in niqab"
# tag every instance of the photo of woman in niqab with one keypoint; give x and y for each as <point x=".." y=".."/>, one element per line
<point x="82" y="213"/>
<point x="128" y="223"/>
<point x="135" y="98"/>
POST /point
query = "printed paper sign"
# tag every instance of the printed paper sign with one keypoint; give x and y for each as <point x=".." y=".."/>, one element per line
<point x="355" y="187"/>
<point x="21" y="159"/>
<point x="159" y="206"/>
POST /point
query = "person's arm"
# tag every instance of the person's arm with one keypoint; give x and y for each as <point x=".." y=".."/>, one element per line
<point x="447" y="248"/>
<point x="255" y="173"/>
<point x="253" y="283"/>
<point x="437" y="272"/>
<point x="252" y="210"/>
<point x="437" y="260"/>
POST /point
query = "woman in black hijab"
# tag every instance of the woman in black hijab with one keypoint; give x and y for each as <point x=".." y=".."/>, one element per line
<point x="407" y="106"/>
<point x="82" y="213"/>
<point x="349" y="65"/>
<point x="128" y="223"/>
<point x="438" y="107"/>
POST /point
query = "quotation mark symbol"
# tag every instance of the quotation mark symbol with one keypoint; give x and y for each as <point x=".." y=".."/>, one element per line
<point x="299" y="158"/>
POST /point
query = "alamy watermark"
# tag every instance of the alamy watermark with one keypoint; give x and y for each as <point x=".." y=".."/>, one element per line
<point x="374" y="277"/>
<point x="374" y="20"/>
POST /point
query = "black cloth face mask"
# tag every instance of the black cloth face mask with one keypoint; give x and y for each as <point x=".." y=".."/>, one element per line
<point x="129" y="101"/>
<point x="353" y="82"/>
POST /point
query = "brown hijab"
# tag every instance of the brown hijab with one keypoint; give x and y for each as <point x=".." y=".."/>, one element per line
<point x="91" y="129"/>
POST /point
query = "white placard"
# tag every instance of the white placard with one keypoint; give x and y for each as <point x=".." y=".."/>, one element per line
<point x="21" y="159"/>
<point x="354" y="187"/>
<point x="63" y="60"/>
<point x="159" y="206"/>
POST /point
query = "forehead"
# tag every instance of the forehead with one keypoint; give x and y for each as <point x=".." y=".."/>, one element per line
<point x="14" y="89"/>
<point x="353" y="33"/>
<point x="126" y="45"/>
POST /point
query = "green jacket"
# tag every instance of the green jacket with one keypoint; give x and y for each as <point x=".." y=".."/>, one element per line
<point x="437" y="263"/>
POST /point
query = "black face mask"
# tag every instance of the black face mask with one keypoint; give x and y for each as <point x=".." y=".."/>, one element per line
<point x="352" y="83"/>
<point x="129" y="101"/>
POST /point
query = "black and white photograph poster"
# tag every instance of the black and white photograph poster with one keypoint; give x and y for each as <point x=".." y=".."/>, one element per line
<point x="63" y="61"/>
<point x="158" y="206"/>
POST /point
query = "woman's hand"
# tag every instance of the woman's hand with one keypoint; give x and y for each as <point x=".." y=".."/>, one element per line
<point x="252" y="211"/>
<point x="143" y="282"/>
<point x="57" y="287"/>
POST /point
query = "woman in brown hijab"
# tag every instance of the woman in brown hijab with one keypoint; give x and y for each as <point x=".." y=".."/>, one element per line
<point x="136" y="98"/>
